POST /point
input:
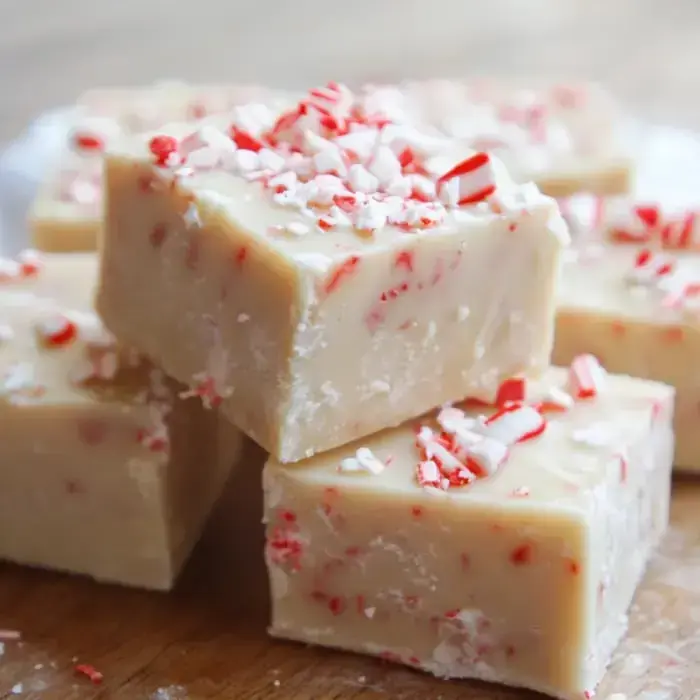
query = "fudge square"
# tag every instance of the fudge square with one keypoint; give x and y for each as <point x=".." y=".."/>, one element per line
<point x="66" y="215"/>
<point x="637" y="308"/>
<point x="104" y="470"/>
<point x="565" y="137"/>
<point x="323" y="272"/>
<point x="504" y="548"/>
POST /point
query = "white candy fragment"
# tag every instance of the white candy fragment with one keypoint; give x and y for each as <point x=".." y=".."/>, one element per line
<point x="363" y="461"/>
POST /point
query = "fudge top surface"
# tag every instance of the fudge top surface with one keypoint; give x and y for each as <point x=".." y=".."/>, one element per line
<point x="346" y="168"/>
<point x="581" y="449"/>
<point x="53" y="346"/>
<point x="631" y="281"/>
<point x="105" y="115"/>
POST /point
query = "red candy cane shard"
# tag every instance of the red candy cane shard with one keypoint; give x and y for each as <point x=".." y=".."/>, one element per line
<point x="586" y="377"/>
<point x="57" y="331"/>
<point x="512" y="389"/>
<point x="650" y="267"/>
<point x="162" y="148"/>
<point x="680" y="233"/>
<point x="471" y="181"/>
<point x="514" y="424"/>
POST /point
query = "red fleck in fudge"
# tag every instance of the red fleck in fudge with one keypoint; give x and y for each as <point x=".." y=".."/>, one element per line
<point x="104" y="470"/>
<point x="324" y="272"/>
<point x="67" y="213"/>
<point x="564" y="137"/>
<point x="503" y="544"/>
<point x="637" y="308"/>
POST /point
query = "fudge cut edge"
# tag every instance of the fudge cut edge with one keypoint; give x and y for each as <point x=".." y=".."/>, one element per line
<point x="294" y="499"/>
<point x="235" y="271"/>
<point x="237" y="275"/>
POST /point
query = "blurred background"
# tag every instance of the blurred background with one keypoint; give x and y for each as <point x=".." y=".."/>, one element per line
<point x="646" y="51"/>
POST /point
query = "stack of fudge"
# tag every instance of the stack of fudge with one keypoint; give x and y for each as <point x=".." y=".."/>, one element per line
<point x="366" y="285"/>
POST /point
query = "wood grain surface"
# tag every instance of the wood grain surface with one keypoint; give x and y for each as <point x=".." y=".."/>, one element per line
<point x="207" y="639"/>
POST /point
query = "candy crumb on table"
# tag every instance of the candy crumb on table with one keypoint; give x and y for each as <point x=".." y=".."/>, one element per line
<point x="105" y="470"/>
<point x="502" y="544"/>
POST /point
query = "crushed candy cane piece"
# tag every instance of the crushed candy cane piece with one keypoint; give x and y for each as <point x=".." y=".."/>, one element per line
<point x="471" y="181"/>
<point x="90" y="672"/>
<point x="513" y="389"/>
<point x="57" y="331"/>
<point x="363" y="461"/>
<point x="514" y="424"/>
<point x="428" y="473"/>
<point x="587" y="378"/>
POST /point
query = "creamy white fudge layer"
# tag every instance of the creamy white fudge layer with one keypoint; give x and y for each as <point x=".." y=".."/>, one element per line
<point x="67" y="213"/>
<point x="104" y="470"/>
<point x="499" y="545"/>
<point x="637" y="308"/>
<point x="324" y="272"/>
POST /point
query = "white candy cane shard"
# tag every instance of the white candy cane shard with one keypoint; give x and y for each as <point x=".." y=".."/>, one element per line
<point x="461" y="428"/>
<point x="435" y="451"/>
<point x="558" y="397"/>
<point x="488" y="454"/>
<point x="587" y="378"/>
<point x="469" y="182"/>
<point x="363" y="461"/>
<point x="512" y="425"/>
<point x="428" y="474"/>
<point x="650" y="268"/>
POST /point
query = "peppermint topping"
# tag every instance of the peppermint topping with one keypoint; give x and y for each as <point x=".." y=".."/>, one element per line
<point x="337" y="158"/>
<point x="471" y="448"/>
<point x="57" y="331"/>
<point x="587" y="378"/>
<point x="363" y="461"/>
<point x="28" y="264"/>
<point x="648" y="223"/>
<point x="651" y="267"/>
<point x="472" y="181"/>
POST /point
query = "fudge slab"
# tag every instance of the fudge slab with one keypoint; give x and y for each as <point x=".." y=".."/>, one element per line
<point x="522" y="575"/>
<point x="66" y="215"/>
<point x="640" y="319"/>
<point x="565" y="137"/>
<point x="104" y="470"/>
<point x="312" y="281"/>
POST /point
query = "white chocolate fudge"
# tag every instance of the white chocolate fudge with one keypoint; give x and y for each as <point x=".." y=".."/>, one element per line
<point x="66" y="215"/>
<point x="638" y="310"/>
<point x="104" y="470"/>
<point x="322" y="272"/>
<point x="504" y="549"/>
<point x="564" y="137"/>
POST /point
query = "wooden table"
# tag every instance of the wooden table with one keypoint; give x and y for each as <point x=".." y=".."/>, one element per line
<point x="207" y="639"/>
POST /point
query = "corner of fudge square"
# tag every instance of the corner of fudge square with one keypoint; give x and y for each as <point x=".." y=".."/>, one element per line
<point x="105" y="471"/>
<point x="499" y="543"/>
<point x="324" y="270"/>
